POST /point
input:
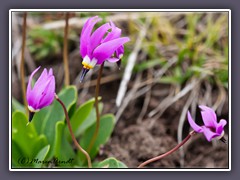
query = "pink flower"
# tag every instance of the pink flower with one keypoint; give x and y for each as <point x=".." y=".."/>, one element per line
<point x="42" y="93"/>
<point x="100" y="45"/>
<point x="211" y="127"/>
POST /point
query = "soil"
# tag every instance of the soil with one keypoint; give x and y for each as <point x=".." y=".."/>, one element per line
<point x="133" y="143"/>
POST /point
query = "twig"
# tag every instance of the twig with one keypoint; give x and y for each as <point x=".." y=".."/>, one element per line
<point x="65" y="51"/>
<point x="22" y="70"/>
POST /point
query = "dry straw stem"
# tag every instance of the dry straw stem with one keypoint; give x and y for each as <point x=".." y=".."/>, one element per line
<point x="77" y="22"/>
<point x="129" y="97"/>
<point x="22" y="70"/>
<point x="130" y="64"/>
<point x="182" y="120"/>
<point x="147" y="98"/>
<point x="65" y="51"/>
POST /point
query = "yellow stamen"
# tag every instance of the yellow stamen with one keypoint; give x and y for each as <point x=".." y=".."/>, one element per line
<point x="87" y="66"/>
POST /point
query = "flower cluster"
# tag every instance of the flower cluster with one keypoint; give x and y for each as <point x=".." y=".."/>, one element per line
<point x="103" y="44"/>
<point x="211" y="129"/>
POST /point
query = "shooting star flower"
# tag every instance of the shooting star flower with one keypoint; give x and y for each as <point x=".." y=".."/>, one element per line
<point x="103" y="44"/>
<point x="42" y="93"/>
<point x="211" y="128"/>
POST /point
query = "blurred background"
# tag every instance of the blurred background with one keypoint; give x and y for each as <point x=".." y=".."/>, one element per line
<point x="175" y="62"/>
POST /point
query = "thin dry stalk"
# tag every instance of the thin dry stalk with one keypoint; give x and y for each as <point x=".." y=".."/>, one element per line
<point x="22" y="70"/>
<point x="147" y="98"/>
<point x="159" y="110"/>
<point x="128" y="97"/>
<point x="182" y="120"/>
<point x="65" y="51"/>
<point x="130" y="64"/>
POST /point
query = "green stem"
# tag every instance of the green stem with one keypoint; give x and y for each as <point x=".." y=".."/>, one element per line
<point x="22" y="70"/>
<point x="169" y="152"/>
<point x="72" y="134"/>
<point x="65" y="51"/>
<point x="97" y="109"/>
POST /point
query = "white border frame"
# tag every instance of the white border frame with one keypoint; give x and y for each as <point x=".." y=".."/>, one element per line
<point x="126" y="10"/>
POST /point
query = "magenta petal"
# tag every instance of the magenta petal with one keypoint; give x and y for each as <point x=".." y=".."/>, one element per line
<point x="85" y="35"/>
<point x="209" y="134"/>
<point x="105" y="50"/>
<point x="97" y="36"/>
<point x="113" y="60"/>
<point x="220" y="126"/>
<point x="209" y="116"/>
<point x="29" y="94"/>
<point x="42" y="78"/>
<point x="48" y="94"/>
<point x="193" y="124"/>
<point x="50" y="73"/>
<point x="120" y="51"/>
<point x="114" y="34"/>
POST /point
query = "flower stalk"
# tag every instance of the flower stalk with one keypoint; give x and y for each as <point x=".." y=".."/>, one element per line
<point x="169" y="152"/>
<point x="22" y="70"/>
<point x="65" y="51"/>
<point x="97" y="108"/>
<point x="72" y="134"/>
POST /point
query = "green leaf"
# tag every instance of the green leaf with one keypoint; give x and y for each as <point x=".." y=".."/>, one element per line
<point x="111" y="163"/>
<point x="22" y="134"/>
<point x="170" y="80"/>
<point x="17" y="106"/>
<point x="84" y="122"/>
<point x="81" y="115"/>
<point x="148" y="64"/>
<point x="41" y="156"/>
<point x="46" y="119"/>
<point x="16" y="154"/>
<point x="105" y="131"/>
<point x="25" y="140"/>
<point x="63" y="150"/>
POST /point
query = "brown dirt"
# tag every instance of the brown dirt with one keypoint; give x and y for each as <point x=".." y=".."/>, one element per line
<point x="134" y="143"/>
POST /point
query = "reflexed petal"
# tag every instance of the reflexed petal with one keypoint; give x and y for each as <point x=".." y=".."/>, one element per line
<point x="113" y="60"/>
<point x="50" y="73"/>
<point x="42" y="78"/>
<point x="120" y="52"/>
<point x="86" y="24"/>
<point x="209" y="116"/>
<point x="48" y="94"/>
<point x="97" y="36"/>
<point x="209" y="134"/>
<point x="193" y="124"/>
<point x="105" y="50"/>
<point x="29" y="94"/>
<point x="85" y="35"/>
<point x="220" y="126"/>
<point x="114" y="34"/>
